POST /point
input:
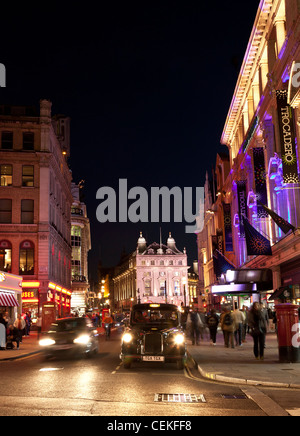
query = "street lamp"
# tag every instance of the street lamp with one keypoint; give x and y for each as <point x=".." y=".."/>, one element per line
<point x="184" y="291"/>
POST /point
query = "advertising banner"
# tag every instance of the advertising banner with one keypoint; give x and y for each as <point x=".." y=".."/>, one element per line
<point x="287" y="139"/>
<point x="260" y="181"/>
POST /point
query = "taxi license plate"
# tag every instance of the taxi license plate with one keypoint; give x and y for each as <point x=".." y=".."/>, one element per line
<point x="153" y="358"/>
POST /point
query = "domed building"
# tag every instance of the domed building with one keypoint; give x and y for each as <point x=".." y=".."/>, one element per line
<point x="161" y="274"/>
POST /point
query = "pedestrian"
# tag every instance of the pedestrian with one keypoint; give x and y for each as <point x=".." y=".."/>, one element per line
<point x="245" y="325"/>
<point x="212" y="322"/>
<point x="258" y="328"/>
<point x="27" y="319"/>
<point x="39" y="326"/>
<point x="2" y="332"/>
<point x="20" y="325"/>
<point x="12" y="336"/>
<point x="228" y="327"/>
<point x="194" y="324"/>
<point x="239" y="319"/>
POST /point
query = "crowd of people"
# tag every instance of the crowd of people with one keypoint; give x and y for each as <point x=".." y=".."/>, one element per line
<point x="234" y="324"/>
<point x="12" y="332"/>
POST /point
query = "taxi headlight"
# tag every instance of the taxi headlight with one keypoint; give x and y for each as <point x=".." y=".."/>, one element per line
<point x="127" y="338"/>
<point x="46" y="342"/>
<point x="179" y="339"/>
<point x="82" y="340"/>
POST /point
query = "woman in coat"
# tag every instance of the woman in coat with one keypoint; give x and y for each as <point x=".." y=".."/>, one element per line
<point x="258" y="329"/>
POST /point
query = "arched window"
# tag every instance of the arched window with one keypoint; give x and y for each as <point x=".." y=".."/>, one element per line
<point x="5" y="256"/>
<point x="26" y="258"/>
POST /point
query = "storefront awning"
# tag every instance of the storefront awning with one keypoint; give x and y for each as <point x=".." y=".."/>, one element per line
<point x="8" y="300"/>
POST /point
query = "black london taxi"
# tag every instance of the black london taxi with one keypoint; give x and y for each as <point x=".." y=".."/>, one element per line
<point x="154" y="334"/>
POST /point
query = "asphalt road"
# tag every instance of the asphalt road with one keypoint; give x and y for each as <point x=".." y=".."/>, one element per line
<point x="101" y="386"/>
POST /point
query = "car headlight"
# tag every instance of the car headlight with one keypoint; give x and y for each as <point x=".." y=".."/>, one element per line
<point x="179" y="339"/>
<point x="82" y="340"/>
<point x="46" y="342"/>
<point x="127" y="338"/>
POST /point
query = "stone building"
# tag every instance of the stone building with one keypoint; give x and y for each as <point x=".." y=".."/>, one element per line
<point x="261" y="133"/>
<point x="81" y="245"/>
<point x="35" y="204"/>
<point x="156" y="273"/>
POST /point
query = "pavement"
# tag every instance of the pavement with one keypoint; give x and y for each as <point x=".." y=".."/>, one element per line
<point x="234" y="366"/>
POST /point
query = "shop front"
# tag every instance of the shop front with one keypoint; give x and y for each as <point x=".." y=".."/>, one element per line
<point x="10" y="295"/>
<point x="62" y="298"/>
<point x="243" y="287"/>
<point x="30" y="299"/>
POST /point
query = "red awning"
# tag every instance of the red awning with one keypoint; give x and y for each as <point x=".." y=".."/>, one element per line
<point x="8" y="300"/>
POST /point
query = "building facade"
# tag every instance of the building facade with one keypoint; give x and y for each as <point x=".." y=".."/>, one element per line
<point x="81" y="245"/>
<point x="156" y="273"/>
<point x="262" y="189"/>
<point x="35" y="205"/>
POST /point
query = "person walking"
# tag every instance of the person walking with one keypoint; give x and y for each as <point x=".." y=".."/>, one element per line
<point x="20" y="325"/>
<point x="239" y="319"/>
<point x="194" y="324"/>
<point x="212" y="322"/>
<point x="258" y="329"/>
<point x="228" y="327"/>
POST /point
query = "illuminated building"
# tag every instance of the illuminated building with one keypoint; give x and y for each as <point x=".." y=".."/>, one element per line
<point x="35" y="204"/>
<point x="81" y="244"/>
<point x="156" y="273"/>
<point x="262" y="136"/>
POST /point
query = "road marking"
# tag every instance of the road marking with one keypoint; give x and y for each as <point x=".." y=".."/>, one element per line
<point x="264" y="402"/>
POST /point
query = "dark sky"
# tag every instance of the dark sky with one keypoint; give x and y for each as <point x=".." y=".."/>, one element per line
<point x="147" y="86"/>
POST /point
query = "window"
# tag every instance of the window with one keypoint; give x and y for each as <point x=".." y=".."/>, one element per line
<point x="5" y="211"/>
<point x="147" y="288"/>
<point x="161" y="262"/>
<point x="28" y="176"/>
<point x="170" y="262"/>
<point x="152" y="262"/>
<point x="5" y="175"/>
<point x="27" y="212"/>
<point x="7" y="140"/>
<point x="28" y="141"/>
<point x="162" y="288"/>
<point x="5" y="256"/>
<point x="76" y="236"/>
<point x="176" y="288"/>
<point x="26" y="258"/>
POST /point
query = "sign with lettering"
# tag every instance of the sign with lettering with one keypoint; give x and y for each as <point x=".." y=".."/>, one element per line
<point x="287" y="139"/>
<point x="242" y="202"/>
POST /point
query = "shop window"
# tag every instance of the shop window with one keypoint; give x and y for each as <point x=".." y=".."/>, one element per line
<point x="5" y="256"/>
<point x="5" y="175"/>
<point x="7" y="140"/>
<point x="26" y="258"/>
<point x="27" y="212"/>
<point x="5" y="211"/>
<point x="28" y="176"/>
<point x="28" y="141"/>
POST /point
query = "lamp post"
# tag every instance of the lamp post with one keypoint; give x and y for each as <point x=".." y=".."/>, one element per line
<point x="184" y="291"/>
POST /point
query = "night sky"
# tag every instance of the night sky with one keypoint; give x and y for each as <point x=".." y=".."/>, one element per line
<point x="147" y="86"/>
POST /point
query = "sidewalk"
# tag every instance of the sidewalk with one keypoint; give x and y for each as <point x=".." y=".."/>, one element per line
<point x="28" y="347"/>
<point x="239" y="365"/>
